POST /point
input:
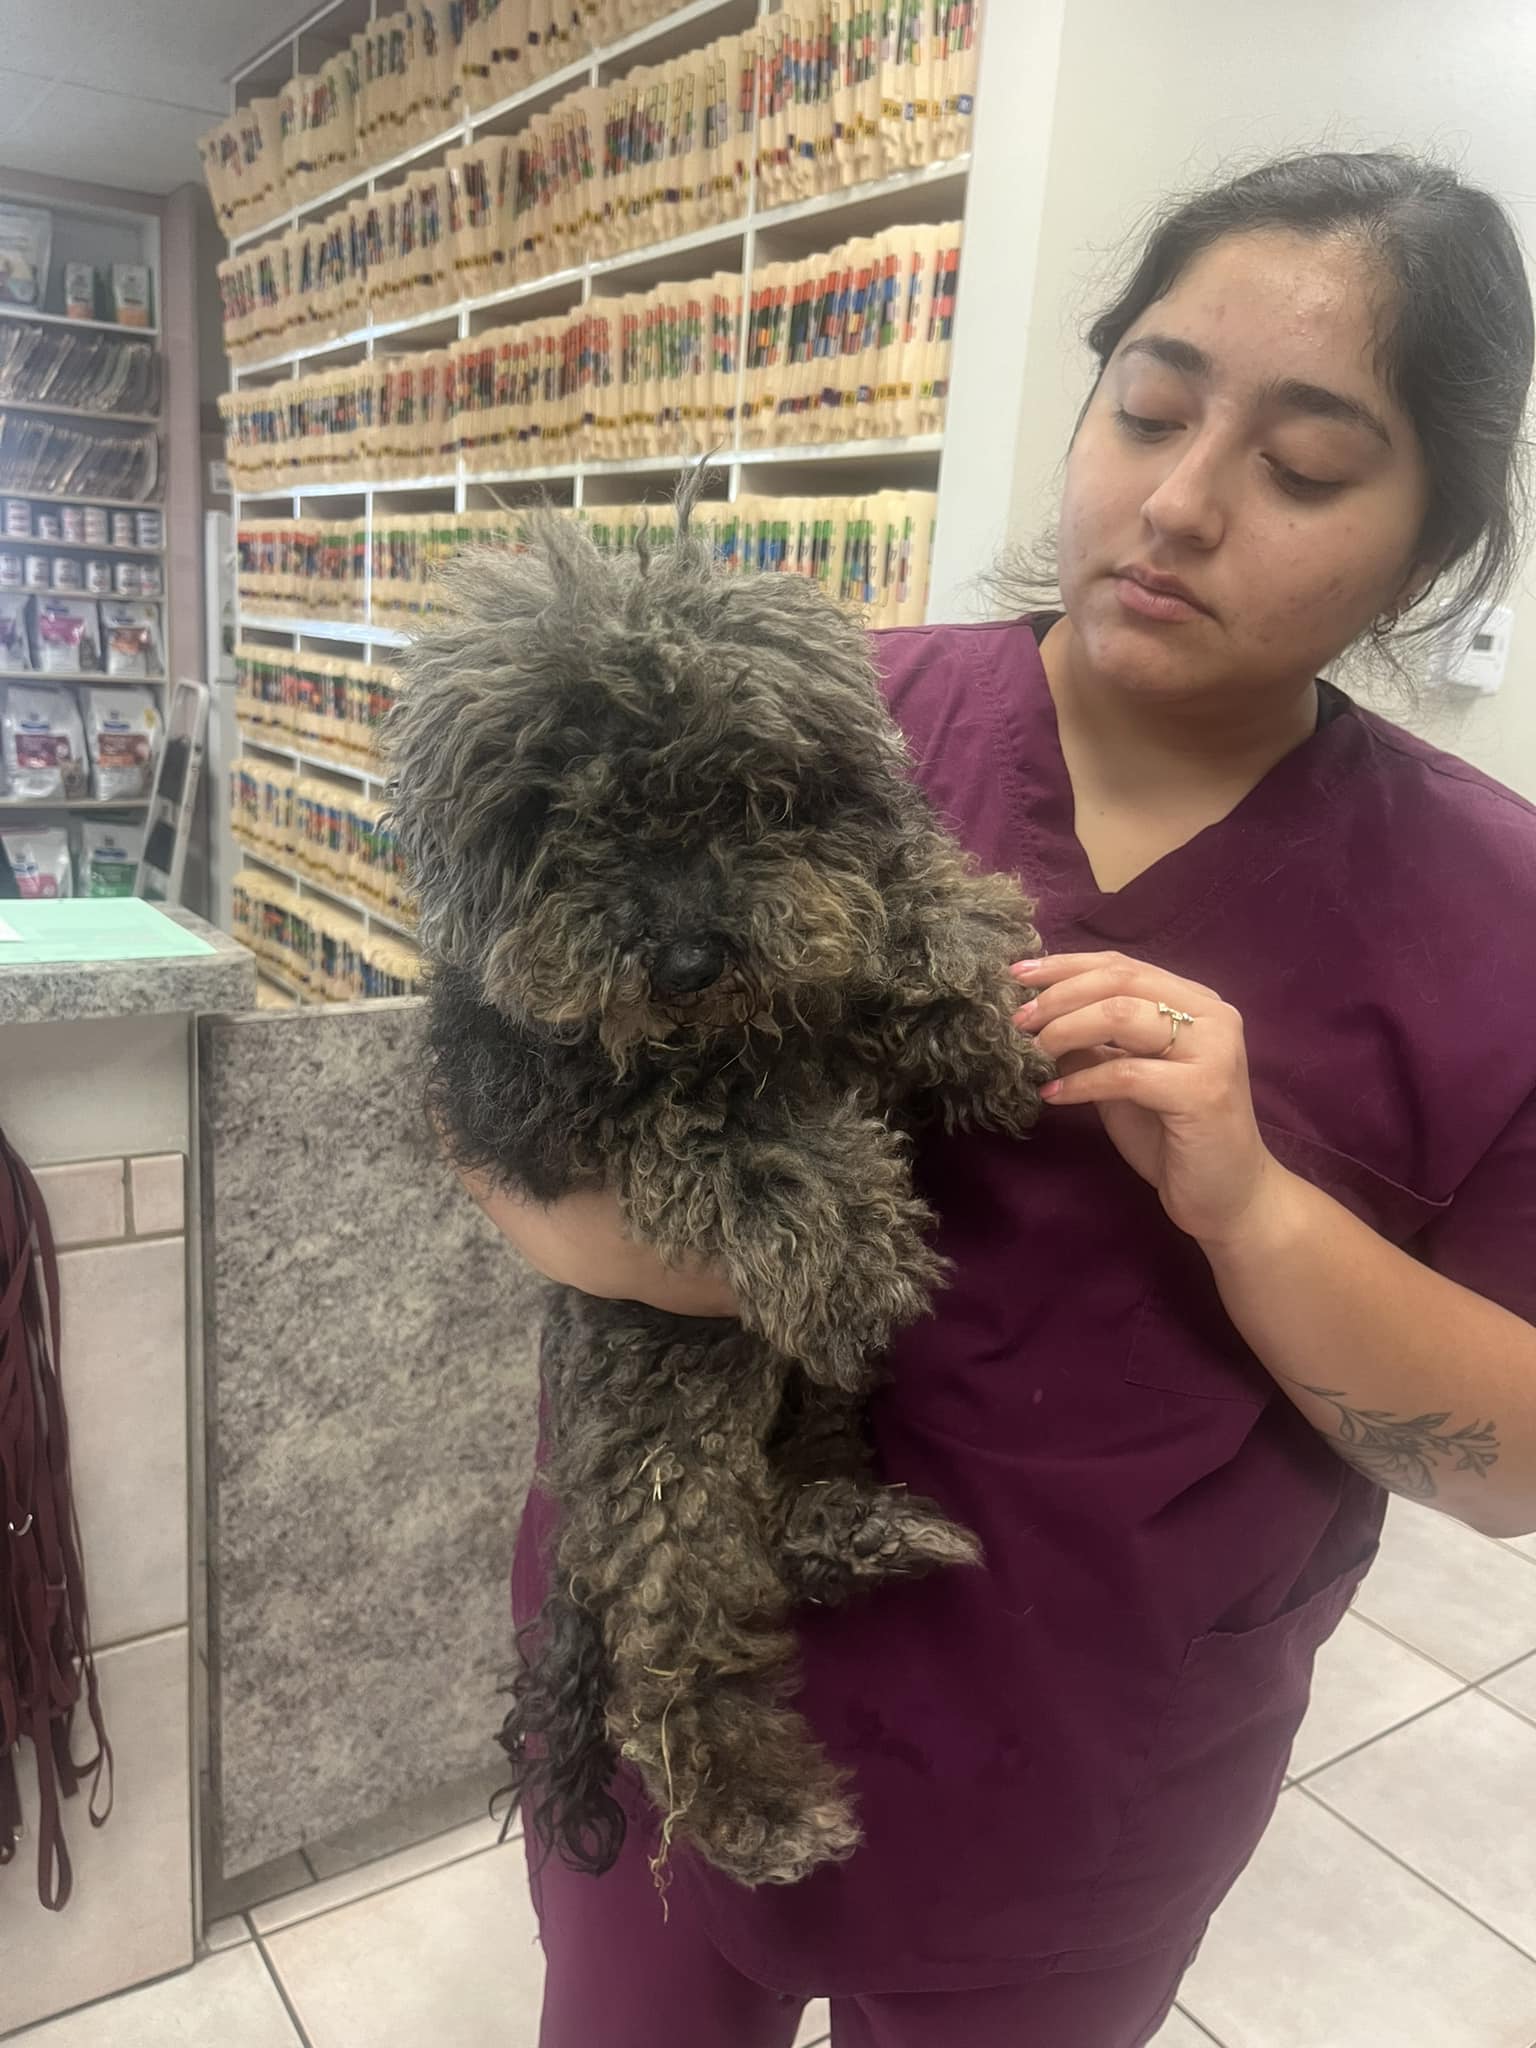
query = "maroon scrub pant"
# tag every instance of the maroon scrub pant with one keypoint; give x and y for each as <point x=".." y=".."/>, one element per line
<point x="619" y="1976"/>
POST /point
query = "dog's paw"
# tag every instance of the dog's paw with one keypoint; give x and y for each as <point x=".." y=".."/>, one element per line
<point x="876" y="1288"/>
<point x="843" y="1533"/>
<point x="756" y="1851"/>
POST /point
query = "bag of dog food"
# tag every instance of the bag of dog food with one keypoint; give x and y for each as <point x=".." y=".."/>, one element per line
<point x="121" y="728"/>
<point x="39" y="858"/>
<point x="26" y="246"/>
<point x="15" y="642"/>
<point x="130" y="294"/>
<point x="108" y="858"/>
<point x="131" y="635"/>
<point x="79" y="291"/>
<point x="67" y="633"/>
<point x="44" y="744"/>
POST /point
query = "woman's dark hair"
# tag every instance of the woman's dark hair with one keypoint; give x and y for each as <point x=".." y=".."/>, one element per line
<point x="1456" y="340"/>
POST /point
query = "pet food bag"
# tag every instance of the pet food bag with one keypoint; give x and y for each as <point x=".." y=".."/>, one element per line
<point x="130" y="294"/>
<point x="121" y="730"/>
<point x="26" y="246"/>
<point x="39" y="859"/>
<point x="15" y="642"/>
<point x="44" y="744"/>
<point x="108" y="858"/>
<point x="66" y="634"/>
<point x="79" y="291"/>
<point x="131" y="637"/>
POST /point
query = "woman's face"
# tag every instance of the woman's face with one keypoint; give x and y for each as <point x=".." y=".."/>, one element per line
<point x="1242" y="448"/>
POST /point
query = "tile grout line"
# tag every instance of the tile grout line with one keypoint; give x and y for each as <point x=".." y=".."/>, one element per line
<point x="270" y="1966"/>
<point x="1199" y="2025"/>
<point x="1466" y="1685"/>
<point x="1403" y="1864"/>
<point x="1439" y="1662"/>
<point x="322" y="1912"/>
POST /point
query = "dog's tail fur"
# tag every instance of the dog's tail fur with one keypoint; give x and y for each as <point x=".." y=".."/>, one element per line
<point x="557" y="1741"/>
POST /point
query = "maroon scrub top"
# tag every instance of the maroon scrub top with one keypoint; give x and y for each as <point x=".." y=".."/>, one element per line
<point x="1062" y="1761"/>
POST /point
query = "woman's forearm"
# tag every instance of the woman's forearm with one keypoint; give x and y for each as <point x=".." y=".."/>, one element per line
<point x="1425" y="1387"/>
<point x="581" y="1242"/>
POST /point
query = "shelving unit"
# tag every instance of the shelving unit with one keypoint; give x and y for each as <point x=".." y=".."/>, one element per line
<point x="761" y="234"/>
<point x="101" y="235"/>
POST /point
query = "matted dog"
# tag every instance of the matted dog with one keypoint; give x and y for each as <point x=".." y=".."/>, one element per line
<point x="695" y="935"/>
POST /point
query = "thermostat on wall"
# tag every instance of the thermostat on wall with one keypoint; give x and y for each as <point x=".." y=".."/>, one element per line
<point x="1477" y="660"/>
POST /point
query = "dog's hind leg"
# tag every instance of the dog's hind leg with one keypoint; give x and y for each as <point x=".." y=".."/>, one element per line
<point x="839" y="1528"/>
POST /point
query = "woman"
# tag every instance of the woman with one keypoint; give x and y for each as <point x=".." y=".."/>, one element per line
<point x="1270" y="1254"/>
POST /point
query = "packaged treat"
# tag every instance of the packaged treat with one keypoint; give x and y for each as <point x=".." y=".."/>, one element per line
<point x="39" y="858"/>
<point x="98" y="576"/>
<point x="126" y="580"/>
<point x="66" y="635"/>
<point x="48" y="526"/>
<point x="108" y="858"/>
<point x="18" y="519"/>
<point x="44" y="744"/>
<point x="26" y="245"/>
<point x="79" y="292"/>
<point x="73" y="520"/>
<point x="98" y="527"/>
<point x="130" y="294"/>
<point x="121" y="727"/>
<point x="36" y="570"/>
<point x="151" y="529"/>
<point x="131" y="633"/>
<point x="151" y="582"/>
<point x="10" y="570"/>
<point x="122" y="530"/>
<point x="67" y="573"/>
<point x="15" y="643"/>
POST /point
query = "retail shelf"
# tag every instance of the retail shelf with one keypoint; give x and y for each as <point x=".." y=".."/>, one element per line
<point x="307" y="883"/>
<point x="74" y="803"/>
<point x="325" y="763"/>
<point x="35" y="541"/>
<point x="70" y="498"/>
<point x="871" y="193"/>
<point x="325" y="629"/>
<point x="47" y="678"/>
<point x="573" y="74"/>
<point x="80" y="412"/>
<point x="25" y="315"/>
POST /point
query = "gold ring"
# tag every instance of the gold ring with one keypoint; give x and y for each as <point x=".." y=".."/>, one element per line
<point x="1175" y="1019"/>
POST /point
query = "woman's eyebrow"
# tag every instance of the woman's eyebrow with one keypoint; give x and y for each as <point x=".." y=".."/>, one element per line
<point x="1288" y="394"/>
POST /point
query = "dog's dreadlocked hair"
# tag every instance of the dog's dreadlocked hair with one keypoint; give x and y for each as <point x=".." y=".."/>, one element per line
<point x="695" y="937"/>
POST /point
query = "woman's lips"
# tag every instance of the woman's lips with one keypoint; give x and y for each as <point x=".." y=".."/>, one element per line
<point x="1149" y="603"/>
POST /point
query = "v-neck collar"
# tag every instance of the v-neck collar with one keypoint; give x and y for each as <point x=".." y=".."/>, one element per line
<point x="1184" y="885"/>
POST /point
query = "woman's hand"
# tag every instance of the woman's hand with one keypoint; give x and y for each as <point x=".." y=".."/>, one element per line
<point x="1176" y="1102"/>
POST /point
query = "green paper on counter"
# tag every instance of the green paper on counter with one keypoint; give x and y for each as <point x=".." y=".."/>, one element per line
<point x="81" y="930"/>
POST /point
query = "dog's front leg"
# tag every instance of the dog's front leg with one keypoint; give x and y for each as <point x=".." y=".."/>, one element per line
<point x="945" y="1028"/>
<point x="808" y="1209"/>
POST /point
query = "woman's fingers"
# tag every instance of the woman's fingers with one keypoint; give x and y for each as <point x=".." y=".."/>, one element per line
<point x="1134" y="1024"/>
<point x="1070" y="981"/>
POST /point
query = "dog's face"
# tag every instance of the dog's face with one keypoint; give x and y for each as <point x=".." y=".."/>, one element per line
<point x="651" y="803"/>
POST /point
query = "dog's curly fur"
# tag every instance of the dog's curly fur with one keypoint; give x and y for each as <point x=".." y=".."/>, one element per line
<point x="696" y="936"/>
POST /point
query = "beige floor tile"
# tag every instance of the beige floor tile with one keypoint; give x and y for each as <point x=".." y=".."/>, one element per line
<point x="275" y="1880"/>
<point x="85" y="1202"/>
<point x="451" y="1958"/>
<point x="378" y="1876"/>
<point x="227" y="2000"/>
<point x="1325" y="1942"/>
<point x="1180" y="2031"/>
<point x="815" y="2025"/>
<point x="130" y="1914"/>
<point x="1516" y="1688"/>
<point x="412" y="1821"/>
<point x="1460" y="1598"/>
<point x="1453" y="1795"/>
<point x="1524" y="1544"/>
<point x="226" y="1933"/>
<point x="1365" y="1683"/>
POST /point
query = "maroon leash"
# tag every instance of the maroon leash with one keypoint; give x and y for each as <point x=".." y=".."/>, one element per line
<point x="44" y="1627"/>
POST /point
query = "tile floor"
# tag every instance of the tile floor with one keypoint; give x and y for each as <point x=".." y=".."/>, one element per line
<point x="1391" y="1905"/>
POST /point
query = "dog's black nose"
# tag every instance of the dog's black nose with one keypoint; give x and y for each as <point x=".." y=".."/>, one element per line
<point x="687" y="965"/>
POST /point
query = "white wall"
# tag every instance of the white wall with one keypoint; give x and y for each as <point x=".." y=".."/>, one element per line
<point x="1158" y="99"/>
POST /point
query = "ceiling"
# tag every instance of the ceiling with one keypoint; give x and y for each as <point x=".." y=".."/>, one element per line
<point x="117" y="92"/>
